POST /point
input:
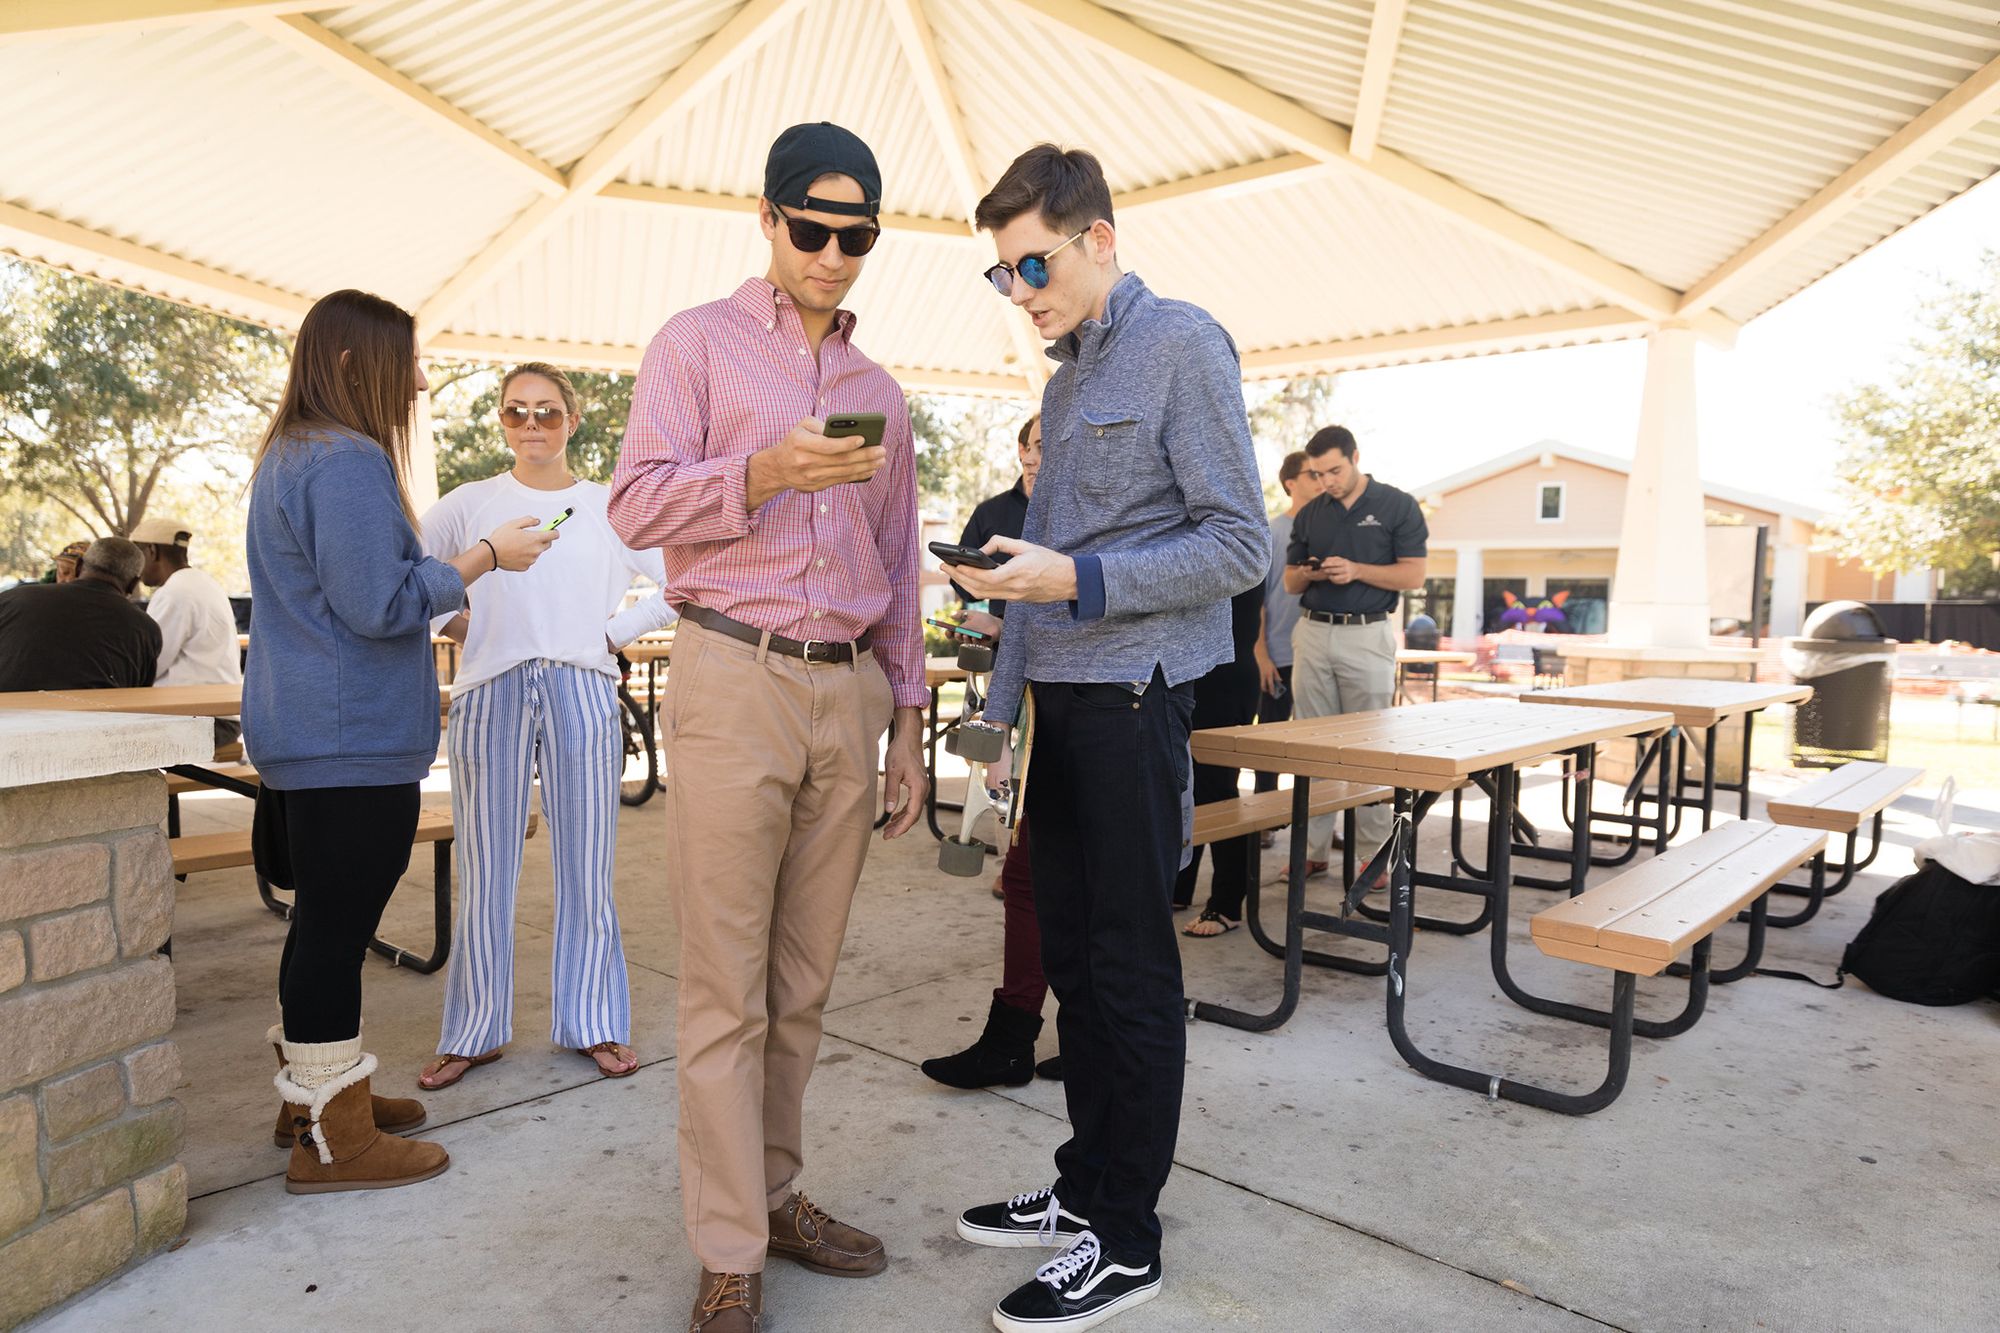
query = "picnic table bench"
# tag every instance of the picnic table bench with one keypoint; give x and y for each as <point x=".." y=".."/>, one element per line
<point x="197" y="852"/>
<point x="1839" y="802"/>
<point x="1636" y="925"/>
<point x="1218" y="821"/>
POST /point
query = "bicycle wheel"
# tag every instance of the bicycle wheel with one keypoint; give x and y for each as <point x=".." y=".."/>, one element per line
<point x="642" y="755"/>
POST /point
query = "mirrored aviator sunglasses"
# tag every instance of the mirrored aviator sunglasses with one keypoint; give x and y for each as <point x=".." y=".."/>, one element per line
<point x="810" y="237"/>
<point x="517" y="417"/>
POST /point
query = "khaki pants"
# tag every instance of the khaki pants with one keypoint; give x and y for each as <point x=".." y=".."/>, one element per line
<point x="771" y="791"/>
<point x="1344" y="669"/>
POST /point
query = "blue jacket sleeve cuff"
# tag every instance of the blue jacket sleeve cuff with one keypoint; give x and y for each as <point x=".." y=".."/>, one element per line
<point x="1089" y="603"/>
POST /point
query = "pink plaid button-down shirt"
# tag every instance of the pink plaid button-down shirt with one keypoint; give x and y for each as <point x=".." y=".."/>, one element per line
<point x="722" y="381"/>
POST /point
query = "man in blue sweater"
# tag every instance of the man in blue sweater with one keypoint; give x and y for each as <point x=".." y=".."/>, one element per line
<point x="1146" y="519"/>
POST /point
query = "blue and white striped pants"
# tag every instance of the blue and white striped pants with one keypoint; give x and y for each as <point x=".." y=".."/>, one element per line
<point x="563" y="721"/>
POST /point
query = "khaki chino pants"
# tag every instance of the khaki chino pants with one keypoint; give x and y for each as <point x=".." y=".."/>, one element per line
<point x="771" y="791"/>
<point x="1344" y="669"/>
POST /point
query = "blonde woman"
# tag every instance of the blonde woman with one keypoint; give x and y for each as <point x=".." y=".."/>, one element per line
<point x="536" y="695"/>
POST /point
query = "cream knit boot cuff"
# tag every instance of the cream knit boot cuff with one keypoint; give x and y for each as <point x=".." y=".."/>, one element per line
<point x="314" y="1064"/>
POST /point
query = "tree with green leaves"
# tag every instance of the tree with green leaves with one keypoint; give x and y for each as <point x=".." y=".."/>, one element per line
<point x="966" y="451"/>
<point x="1920" y="464"/>
<point x="103" y="392"/>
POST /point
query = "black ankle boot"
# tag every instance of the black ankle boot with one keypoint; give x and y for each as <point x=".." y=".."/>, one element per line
<point x="1004" y="1055"/>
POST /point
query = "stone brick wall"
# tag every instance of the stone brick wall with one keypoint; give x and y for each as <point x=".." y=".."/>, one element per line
<point x="89" y="1130"/>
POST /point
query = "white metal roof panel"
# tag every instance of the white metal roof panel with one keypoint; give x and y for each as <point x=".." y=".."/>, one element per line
<point x="552" y="75"/>
<point x="1141" y="128"/>
<point x="839" y="62"/>
<point x="215" y="145"/>
<point x="1308" y="50"/>
<point x="1667" y="135"/>
<point x="616" y="272"/>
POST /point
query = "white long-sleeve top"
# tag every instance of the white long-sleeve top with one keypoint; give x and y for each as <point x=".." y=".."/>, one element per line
<point x="197" y="631"/>
<point x="564" y="607"/>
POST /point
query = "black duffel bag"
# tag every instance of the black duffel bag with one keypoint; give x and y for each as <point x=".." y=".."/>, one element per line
<point x="1933" y="938"/>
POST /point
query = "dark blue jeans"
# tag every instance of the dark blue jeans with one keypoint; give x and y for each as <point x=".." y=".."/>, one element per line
<point x="1104" y="807"/>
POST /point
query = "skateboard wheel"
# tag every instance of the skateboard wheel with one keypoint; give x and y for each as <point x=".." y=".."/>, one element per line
<point x="965" y="859"/>
<point x="975" y="657"/>
<point x="979" y="745"/>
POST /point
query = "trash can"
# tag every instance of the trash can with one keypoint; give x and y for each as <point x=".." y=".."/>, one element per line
<point x="1421" y="635"/>
<point x="1850" y="663"/>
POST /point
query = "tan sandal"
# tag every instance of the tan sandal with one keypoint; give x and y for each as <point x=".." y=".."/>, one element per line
<point x="619" y="1051"/>
<point x="437" y="1065"/>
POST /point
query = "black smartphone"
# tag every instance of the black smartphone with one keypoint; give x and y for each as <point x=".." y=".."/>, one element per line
<point x="868" y="425"/>
<point x="951" y="553"/>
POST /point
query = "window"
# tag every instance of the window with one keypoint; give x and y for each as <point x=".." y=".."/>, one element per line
<point x="1549" y="503"/>
<point x="1585" y="606"/>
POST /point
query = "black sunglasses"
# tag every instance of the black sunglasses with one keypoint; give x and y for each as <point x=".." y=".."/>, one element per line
<point x="811" y="237"/>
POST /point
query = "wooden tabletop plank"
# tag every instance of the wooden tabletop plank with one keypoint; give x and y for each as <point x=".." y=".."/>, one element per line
<point x="1694" y="703"/>
<point x="1440" y="741"/>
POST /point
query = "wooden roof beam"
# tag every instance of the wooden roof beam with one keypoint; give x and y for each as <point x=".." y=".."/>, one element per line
<point x="1385" y="33"/>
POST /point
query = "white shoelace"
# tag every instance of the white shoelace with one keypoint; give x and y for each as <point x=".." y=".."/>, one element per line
<point x="1045" y="1229"/>
<point x="1083" y="1254"/>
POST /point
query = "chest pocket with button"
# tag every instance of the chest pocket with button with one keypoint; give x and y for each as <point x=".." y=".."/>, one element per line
<point x="1108" y="449"/>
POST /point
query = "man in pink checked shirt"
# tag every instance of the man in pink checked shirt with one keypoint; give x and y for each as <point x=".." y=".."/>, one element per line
<point x="793" y="560"/>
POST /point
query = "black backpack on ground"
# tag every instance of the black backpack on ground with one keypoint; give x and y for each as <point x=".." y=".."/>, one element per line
<point x="1934" y="938"/>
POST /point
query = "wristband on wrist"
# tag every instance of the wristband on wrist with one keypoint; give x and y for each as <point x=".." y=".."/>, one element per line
<point x="490" y="547"/>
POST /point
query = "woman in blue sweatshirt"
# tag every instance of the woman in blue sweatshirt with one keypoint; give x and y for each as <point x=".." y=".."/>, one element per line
<point x="340" y="712"/>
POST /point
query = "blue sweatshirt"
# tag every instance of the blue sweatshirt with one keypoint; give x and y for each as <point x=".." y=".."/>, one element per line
<point x="340" y="689"/>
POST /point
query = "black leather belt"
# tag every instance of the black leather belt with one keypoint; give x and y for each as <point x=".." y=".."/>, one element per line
<point x="812" y="650"/>
<point x="1347" y="618"/>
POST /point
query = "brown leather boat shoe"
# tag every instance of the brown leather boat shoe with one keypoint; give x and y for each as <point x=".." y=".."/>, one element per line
<point x="803" y="1233"/>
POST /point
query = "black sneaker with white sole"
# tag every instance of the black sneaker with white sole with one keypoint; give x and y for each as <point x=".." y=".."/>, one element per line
<point x="1079" y="1288"/>
<point x="1022" y="1222"/>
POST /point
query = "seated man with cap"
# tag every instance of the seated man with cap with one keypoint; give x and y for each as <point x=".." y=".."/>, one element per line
<point x="84" y="634"/>
<point x="197" y="626"/>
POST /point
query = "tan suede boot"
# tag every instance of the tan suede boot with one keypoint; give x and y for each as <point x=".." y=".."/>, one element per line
<point x="393" y="1115"/>
<point x="802" y="1232"/>
<point x="728" y="1303"/>
<point x="339" y="1147"/>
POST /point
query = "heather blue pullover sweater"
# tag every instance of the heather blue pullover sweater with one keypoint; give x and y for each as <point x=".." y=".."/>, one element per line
<point x="1149" y="480"/>
<point x="340" y="689"/>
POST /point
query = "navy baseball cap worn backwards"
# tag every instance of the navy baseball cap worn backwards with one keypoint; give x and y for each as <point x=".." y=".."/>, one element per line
<point x="804" y="153"/>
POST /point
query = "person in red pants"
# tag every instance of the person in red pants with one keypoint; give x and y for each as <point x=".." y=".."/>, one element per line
<point x="1004" y="1055"/>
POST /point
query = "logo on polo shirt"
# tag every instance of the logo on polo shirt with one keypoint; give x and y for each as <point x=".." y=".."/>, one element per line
<point x="1369" y="521"/>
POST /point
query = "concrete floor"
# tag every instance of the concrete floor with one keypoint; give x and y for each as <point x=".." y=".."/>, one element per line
<point x="1803" y="1159"/>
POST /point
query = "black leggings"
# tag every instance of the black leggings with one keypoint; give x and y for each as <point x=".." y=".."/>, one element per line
<point x="340" y="850"/>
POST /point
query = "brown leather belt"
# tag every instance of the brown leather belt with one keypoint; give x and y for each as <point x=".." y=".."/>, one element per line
<point x="812" y="650"/>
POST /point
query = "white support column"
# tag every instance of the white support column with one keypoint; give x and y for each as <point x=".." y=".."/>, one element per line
<point x="423" y="457"/>
<point x="1659" y="594"/>
<point x="1788" y="589"/>
<point x="1468" y="594"/>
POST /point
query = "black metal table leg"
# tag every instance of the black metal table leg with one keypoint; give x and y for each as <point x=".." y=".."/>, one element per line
<point x="1402" y="931"/>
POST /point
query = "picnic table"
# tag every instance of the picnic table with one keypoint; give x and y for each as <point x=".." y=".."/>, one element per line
<point x="227" y="701"/>
<point x="1420" y="751"/>
<point x="1435" y="659"/>
<point x="1696" y="705"/>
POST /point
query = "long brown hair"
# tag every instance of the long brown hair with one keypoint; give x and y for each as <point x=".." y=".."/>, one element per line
<point x="354" y="367"/>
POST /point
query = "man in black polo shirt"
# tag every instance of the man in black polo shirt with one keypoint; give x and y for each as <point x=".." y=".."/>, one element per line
<point x="1354" y="552"/>
<point x="81" y="635"/>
